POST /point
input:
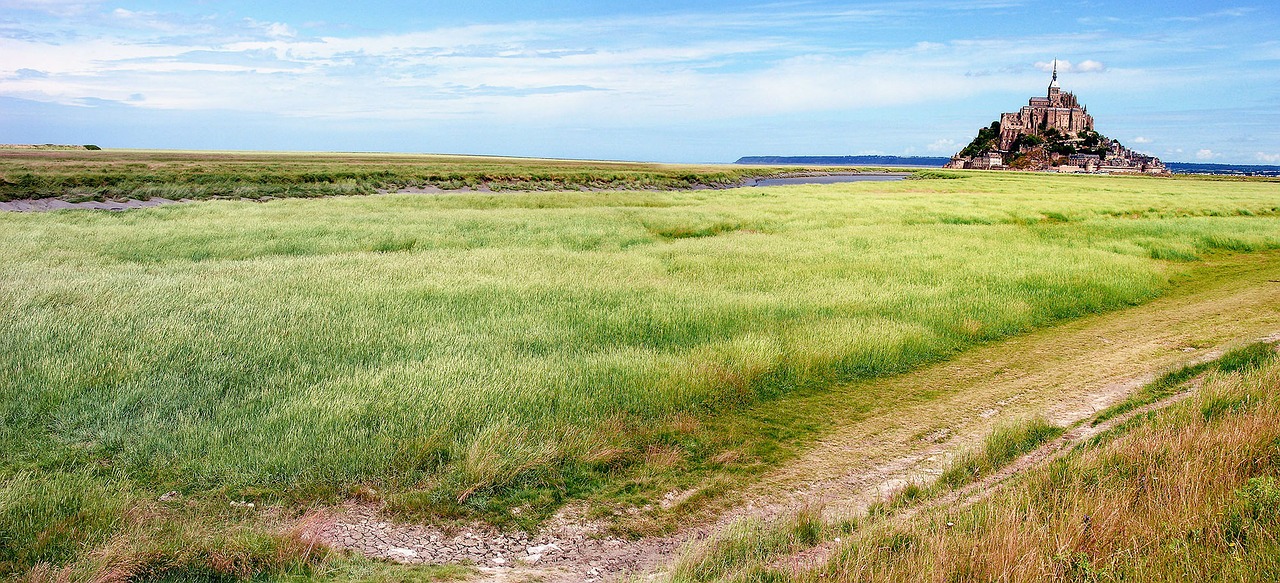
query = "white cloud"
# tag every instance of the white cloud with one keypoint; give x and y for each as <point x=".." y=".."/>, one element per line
<point x="1048" y="66"/>
<point x="146" y="20"/>
<point x="587" y="70"/>
<point x="943" y="145"/>
<point x="275" y="30"/>
<point x="1268" y="158"/>
<point x="1089" y="66"/>
<point x="1227" y="12"/>
<point x="1142" y="140"/>
<point x="55" y="7"/>
<point x="1205" y="154"/>
<point x="1065" y="66"/>
<point x="503" y="70"/>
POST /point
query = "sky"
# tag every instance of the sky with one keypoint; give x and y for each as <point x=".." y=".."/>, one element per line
<point x="655" y="80"/>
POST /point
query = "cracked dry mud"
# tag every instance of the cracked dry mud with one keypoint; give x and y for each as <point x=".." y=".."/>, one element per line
<point x="1025" y="379"/>
<point x="569" y="547"/>
<point x="55" y="204"/>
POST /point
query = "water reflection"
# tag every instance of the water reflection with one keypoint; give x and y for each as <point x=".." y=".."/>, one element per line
<point x="828" y="179"/>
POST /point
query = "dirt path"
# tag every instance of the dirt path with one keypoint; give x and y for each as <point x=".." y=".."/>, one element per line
<point x="818" y="555"/>
<point x="1066" y="373"/>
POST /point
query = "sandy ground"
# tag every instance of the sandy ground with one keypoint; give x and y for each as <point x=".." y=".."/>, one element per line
<point x="1066" y="374"/>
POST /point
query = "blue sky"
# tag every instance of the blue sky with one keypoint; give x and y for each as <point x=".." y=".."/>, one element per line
<point x="657" y="80"/>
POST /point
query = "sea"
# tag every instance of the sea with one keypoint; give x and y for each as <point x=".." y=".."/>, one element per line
<point x="938" y="162"/>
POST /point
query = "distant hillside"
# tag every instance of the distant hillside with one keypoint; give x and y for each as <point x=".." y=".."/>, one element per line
<point x="933" y="161"/>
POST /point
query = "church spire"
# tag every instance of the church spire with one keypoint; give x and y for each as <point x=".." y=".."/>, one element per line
<point x="1054" y="88"/>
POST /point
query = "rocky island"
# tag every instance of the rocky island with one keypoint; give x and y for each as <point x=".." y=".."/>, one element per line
<point x="1051" y="133"/>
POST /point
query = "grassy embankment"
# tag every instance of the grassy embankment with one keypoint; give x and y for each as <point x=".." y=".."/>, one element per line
<point x="95" y="175"/>
<point x="1189" y="493"/>
<point x="462" y="355"/>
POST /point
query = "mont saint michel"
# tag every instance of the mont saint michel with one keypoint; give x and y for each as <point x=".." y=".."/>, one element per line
<point x="1051" y="133"/>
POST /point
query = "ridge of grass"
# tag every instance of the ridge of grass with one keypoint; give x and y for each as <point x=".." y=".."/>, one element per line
<point x="748" y="544"/>
<point x="1166" y="385"/>
<point x="1004" y="445"/>
<point x="1001" y="447"/>
<point x="744" y="551"/>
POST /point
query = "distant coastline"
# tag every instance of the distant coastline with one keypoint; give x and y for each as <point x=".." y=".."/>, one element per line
<point x="938" y="162"/>
<point x="923" y="161"/>
<point x="1229" y="169"/>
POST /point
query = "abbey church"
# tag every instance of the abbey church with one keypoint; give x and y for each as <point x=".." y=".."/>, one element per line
<point x="1053" y="132"/>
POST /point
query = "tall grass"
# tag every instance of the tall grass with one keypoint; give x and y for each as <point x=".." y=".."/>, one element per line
<point x="1179" y="496"/>
<point x="466" y="354"/>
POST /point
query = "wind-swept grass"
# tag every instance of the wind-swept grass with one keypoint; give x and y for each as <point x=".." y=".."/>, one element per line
<point x="466" y="354"/>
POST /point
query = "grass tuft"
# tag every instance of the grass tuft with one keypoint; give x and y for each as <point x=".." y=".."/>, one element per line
<point x="1005" y="444"/>
<point x="742" y="551"/>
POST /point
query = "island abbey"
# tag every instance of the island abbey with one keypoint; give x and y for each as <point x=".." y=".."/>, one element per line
<point x="1053" y="132"/>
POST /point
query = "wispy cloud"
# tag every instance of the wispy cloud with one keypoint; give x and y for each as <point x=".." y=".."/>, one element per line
<point x="55" y="7"/>
<point x="1065" y="66"/>
<point x="943" y="146"/>
<point x="450" y="72"/>
<point x="803" y="60"/>
<point x="1233" y="12"/>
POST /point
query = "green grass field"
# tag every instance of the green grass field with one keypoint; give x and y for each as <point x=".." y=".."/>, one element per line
<point x="79" y="175"/>
<point x="462" y="354"/>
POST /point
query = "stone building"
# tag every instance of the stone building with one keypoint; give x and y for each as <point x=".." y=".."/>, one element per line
<point x="1059" y="110"/>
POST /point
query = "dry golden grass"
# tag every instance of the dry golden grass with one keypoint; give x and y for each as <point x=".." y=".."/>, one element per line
<point x="1188" y="494"/>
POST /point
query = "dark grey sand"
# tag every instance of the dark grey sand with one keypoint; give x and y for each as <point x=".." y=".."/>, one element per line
<point x="53" y="204"/>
